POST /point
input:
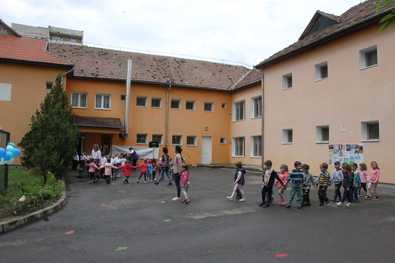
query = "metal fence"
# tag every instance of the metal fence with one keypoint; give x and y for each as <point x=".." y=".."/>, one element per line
<point x="4" y="140"/>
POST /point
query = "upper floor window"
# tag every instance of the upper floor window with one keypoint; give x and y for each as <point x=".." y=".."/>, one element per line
<point x="208" y="106"/>
<point x="78" y="100"/>
<point x="103" y="101"/>
<point x="175" y="104"/>
<point x="157" y="138"/>
<point x="287" y="81"/>
<point x="238" y="110"/>
<point x="256" y="107"/>
<point x="287" y="136"/>
<point x="141" y="101"/>
<point x="368" y="57"/>
<point x="141" y="138"/>
<point x="321" y="71"/>
<point x="370" y="131"/>
<point x="322" y="134"/>
<point x="48" y="85"/>
<point x="156" y="102"/>
<point x="190" y="105"/>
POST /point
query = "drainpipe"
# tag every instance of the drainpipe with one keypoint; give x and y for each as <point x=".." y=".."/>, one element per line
<point x="167" y="116"/>
<point x="64" y="74"/>
<point x="127" y="99"/>
<point x="263" y="116"/>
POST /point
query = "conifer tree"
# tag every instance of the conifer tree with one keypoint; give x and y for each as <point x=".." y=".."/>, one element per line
<point x="50" y="143"/>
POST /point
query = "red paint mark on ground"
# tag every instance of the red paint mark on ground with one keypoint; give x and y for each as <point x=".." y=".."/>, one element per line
<point x="70" y="232"/>
<point x="281" y="255"/>
<point x="103" y="204"/>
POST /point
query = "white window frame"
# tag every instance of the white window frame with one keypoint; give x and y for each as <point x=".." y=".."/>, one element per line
<point x="224" y="105"/>
<point x="160" y="138"/>
<point x="139" y="100"/>
<point x="175" y="100"/>
<point x="156" y="99"/>
<point x="48" y="85"/>
<point x="222" y="140"/>
<point x="238" y="147"/>
<point x="363" y="57"/>
<point x="318" y="71"/>
<point x="285" y="80"/>
<point x="239" y="110"/>
<point x="320" y="133"/>
<point x="141" y="138"/>
<point x="79" y="100"/>
<point x="256" y="107"/>
<point x="176" y="140"/>
<point x="102" y="97"/>
<point x="210" y="104"/>
<point x="366" y="135"/>
<point x="256" y="146"/>
<point x="287" y="136"/>
<point x="190" y="102"/>
<point x="194" y="138"/>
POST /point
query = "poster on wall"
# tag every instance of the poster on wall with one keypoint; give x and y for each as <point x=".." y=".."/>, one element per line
<point x="345" y="153"/>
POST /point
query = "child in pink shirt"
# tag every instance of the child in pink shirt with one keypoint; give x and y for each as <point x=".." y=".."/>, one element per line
<point x="363" y="174"/>
<point x="185" y="183"/>
<point x="281" y="188"/>
<point x="108" y="170"/>
<point x="373" y="181"/>
<point x="92" y="171"/>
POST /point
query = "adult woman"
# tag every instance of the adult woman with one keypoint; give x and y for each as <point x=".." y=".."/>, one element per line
<point x="164" y="166"/>
<point x="96" y="155"/>
<point x="177" y="169"/>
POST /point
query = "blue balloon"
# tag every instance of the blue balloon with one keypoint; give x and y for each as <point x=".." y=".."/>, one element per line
<point x="2" y="152"/>
<point x="17" y="152"/>
<point x="8" y="156"/>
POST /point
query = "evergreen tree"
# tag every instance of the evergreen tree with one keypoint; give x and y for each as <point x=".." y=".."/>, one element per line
<point x="50" y="143"/>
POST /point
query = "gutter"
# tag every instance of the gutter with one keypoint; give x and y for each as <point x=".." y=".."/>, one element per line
<point x="64" y="74"/>
<point x="263" y="115"/>
<point x="167" y="116"/>
<point x="127" y="99"/>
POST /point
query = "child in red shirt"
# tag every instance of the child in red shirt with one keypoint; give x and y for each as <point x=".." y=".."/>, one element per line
<point x="127" y="171"/>
<point x="143" y="171"/>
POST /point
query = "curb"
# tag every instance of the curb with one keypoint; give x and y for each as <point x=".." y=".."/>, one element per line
<point x="13" y="224"/>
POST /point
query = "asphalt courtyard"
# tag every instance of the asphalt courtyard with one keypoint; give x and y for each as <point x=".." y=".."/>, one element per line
<point x="141" y="223"/>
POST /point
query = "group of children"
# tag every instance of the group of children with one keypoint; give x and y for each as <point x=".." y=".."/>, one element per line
<point x="302" y="180"/>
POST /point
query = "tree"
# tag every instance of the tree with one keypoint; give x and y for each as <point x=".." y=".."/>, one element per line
<point x="50" y="143"/>
<point x="388" y="19"/>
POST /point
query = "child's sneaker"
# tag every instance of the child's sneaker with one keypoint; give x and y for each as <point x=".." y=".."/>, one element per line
<point x="280" y="203"/>
<point x="349" y="204"/>
<point x="288" y="206"/>
<point x="229" y="197"/>
<point x="186" y="201"/>
<point x="175" y="198"/>
<point x="138" y="181"/>
<point x="145" y="182"/>
<point x="242" y="200"/>
<point x="376" y="198"/>
<point x="299" y="206"/>
<point x="367" y="197"/>
<point x="339" y="204"/>
<point x="328" y="203"/>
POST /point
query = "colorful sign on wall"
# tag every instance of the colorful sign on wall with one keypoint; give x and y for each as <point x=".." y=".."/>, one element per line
<point x="345" y="153"/>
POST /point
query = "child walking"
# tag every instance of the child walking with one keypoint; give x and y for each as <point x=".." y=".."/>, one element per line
<point x="323" y="181"/>
<point x="269" y="175"/>
<point x="348" y="180"/>
<point x="149" y="170"/>
<point x="308" y="181"/>
<point x="92" y="171"/>
<point x="185" y="183"/>
<point x="281" y="187"/>
<point x="143" y="171"/>
<point x="356" y="183"/>
<point x="296" y="178"/>
<point x="363" y="174"/>
<point x="337" y="179"/>
<point x="239" y="182"/>
<point x="127" y="171"/>
<point x="108" y="167"/>
<point x="373" y="181"/>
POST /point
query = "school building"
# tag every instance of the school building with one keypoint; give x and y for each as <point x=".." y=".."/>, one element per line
<point x="326" y="97"/>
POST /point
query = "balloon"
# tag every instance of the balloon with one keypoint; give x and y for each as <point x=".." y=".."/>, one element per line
<point x="17" y="152"/>
<point x="9" y="147"/>
<point x="12" y="144"/>
<point x="8" y="156"/>
<point x="2" y="161"/>
<point x="11" y="150"/>
<point x="10" y="161"/>
<point x="2" y="152"/>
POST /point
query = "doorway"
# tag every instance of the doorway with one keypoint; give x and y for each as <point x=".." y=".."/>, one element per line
<point x="206" y="150"/>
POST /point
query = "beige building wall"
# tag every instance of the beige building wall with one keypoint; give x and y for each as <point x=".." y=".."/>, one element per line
<point x="348" y="97"/>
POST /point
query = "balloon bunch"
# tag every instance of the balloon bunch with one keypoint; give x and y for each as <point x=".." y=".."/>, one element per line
<point x="8" y="154"/>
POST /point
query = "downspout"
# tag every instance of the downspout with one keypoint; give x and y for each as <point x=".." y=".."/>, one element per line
<point x="167" y="115"/>
<point x="127" y="99"/>
<point x="263" y="116"/>
<point x="64" y="74"/>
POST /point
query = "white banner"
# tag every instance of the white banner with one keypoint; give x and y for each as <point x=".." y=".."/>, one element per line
<point x="143" y="152"/>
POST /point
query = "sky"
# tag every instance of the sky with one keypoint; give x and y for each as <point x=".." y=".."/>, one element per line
<point x="241" y="32"/>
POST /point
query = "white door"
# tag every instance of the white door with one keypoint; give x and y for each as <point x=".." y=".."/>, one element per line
<point x="206" y="150"/>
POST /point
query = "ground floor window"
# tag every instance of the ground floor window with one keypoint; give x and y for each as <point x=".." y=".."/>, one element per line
<point x="238" y="147"/>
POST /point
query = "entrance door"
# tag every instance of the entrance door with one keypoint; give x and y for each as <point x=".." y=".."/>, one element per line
<point x="206" y="150"/>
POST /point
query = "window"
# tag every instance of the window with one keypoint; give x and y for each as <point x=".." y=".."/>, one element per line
<point x="238" y="111"/>
<point x="175" y="104"/>
<point x="238" y="147"/>
<point x="256" y="146"/>
<point x="224" y="105"/>
<point x="209" y="106"/>
<point x="141" y="101"/>
<point x="191" y="140"/>
<point x="370" y="131"/>
<point x="57" y="38"/>
<point x="222" y="140"/>
<point x="176" y="140"/>
<point x="123" y="97"/>
<point x="256" y="107"/>
<point x="72" y="40"/>
<point x="48" y="85"/>
<point x="190" y="105"/>
<point x="156" y="102"/>
<point x="322" y="134"/>
<point x="157" y="138"/>
<point x="287" y="136"/>
<point x="141" y="138"/>
<point x="5" y="92"/>
<point x="103" y="101"/>
<point x="368" y="57"/>
<point x="321" y="71"/>
<point x="78" y="100"/>
<point x="287" y="81"/>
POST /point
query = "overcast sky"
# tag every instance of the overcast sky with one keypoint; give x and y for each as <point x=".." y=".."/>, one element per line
<point x="230" y="31"/>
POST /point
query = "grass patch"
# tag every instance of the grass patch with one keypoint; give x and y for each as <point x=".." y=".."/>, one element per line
<point x="30" y="184"/>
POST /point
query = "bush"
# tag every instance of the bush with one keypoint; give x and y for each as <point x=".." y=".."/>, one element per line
<point x="30" y="184"/>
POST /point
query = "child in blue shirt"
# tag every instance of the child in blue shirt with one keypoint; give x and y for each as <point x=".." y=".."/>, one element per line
<point x="296" y="178"/>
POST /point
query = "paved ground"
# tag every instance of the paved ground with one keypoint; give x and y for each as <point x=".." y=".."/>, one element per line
<point x="140" y="223"/>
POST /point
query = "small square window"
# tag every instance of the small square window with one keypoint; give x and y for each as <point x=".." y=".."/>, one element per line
<point x="287" y="136"/>
<point x="48" y="85"/>
<point x="141" y="138"/>
<point x="368" y="57"/>
<point x="191" y="140"/>
<point x="175" y="104"/>
<point x="123" y="97"/>
<point x="157" y="138"/>
<point x="209" y="106"/>
<point x="321" y="71"/>
<point x="322" y="134"/>
<point x="176" y="140"/>
<point x="224" y="105"/>
<point x="222" y="140"/>
<point x="190" y="105"/>
<point x="156" y="102"/>
<point x="287" y="81"/>
<point x="370" y="131"/>
<point x="141" y="101"/>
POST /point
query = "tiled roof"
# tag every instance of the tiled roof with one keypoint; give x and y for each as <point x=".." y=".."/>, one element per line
<point x="26" y="50"/>
<point x="102" y="63"/>
<point x="98" y="122"/>
<point x="357" y="16"/>
<point x="251" y="77"/>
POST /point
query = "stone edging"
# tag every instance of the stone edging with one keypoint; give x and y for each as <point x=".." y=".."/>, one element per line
<point x="10" y="225"/>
